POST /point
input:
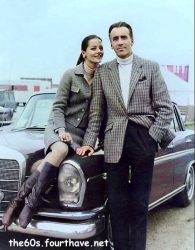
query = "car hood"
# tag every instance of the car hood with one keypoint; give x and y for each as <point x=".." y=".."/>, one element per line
<point x="29" y="143"/>
<point x="2" y="109"/>
<point x="19" y="140"/>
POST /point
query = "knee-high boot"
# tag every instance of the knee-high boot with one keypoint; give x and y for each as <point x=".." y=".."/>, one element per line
<point x="47" y="174"/>
<point x="16" y="203"/>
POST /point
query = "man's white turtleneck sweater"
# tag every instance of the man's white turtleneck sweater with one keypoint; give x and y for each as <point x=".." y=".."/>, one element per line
<point x="125" y="68"/>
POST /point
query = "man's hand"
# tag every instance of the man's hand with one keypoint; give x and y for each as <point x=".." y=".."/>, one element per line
<point x="65" y="137"/>
<point x="85" y="151"/>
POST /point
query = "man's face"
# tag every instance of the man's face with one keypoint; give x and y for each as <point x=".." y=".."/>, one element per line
<point x="121" y="42"/>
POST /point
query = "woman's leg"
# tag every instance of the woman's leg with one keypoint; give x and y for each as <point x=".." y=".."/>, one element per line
<point x="59" y="151"/>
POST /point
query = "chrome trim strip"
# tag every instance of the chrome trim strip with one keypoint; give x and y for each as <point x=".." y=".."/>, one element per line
<point x="9" y="180"/>
<point x="63" y="230"/>
<point x="72" y="215"/>
<point x="11" y="191"/>
<point x="103" y="176"/>
<point x="83" y="184"/>
<point x="173" y="155"/>
<point x="166" y="197"/>
<point x="11" y="169"/>
<point x="157" y="161"/>
<point x="191" y="163"/>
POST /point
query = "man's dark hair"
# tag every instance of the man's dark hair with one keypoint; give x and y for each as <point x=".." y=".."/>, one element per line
<point x="121" y="24"/>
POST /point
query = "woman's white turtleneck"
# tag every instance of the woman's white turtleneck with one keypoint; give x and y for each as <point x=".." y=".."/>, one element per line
<point x="125" y="68"/>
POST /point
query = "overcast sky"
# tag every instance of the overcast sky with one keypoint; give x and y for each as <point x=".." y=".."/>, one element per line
<point x="41" y="38"/>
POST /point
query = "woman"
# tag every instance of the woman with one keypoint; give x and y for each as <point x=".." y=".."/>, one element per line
<point x="66" y="127"/>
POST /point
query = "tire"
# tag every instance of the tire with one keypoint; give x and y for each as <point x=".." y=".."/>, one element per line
<point x="185" y="198"/>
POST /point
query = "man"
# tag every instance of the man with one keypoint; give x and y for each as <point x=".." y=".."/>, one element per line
<point x="134" y="96"/>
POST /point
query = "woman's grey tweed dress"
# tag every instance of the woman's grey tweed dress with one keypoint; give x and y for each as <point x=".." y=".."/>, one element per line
<point x="70" y="108"/>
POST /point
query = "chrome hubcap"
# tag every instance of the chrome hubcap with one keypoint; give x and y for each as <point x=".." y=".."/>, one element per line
<point x="190" y="183"/>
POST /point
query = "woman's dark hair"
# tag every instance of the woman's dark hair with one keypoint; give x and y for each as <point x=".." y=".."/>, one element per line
<point x="85" y="44"/>
<point x="121" y="24"/>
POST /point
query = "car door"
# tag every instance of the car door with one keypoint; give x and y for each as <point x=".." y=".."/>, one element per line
<point x="163" y="174"/>
<point x="184" y="151"/>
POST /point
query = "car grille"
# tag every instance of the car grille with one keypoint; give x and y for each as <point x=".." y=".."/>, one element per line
<point x="9" y="181"/>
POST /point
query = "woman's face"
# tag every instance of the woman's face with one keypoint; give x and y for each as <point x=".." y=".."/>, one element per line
<point x="94" y="51"/>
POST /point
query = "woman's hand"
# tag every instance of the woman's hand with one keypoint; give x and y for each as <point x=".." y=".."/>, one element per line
<point x="65" y="137"/>
<point x="85" y="150"/>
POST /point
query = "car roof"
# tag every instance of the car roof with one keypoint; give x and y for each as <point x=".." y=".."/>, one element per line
<point x="47" y="91"/>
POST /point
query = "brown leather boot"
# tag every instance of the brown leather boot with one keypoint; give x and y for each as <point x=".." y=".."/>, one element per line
<point x="16" y="203"/>
<point x="47" y="175"/>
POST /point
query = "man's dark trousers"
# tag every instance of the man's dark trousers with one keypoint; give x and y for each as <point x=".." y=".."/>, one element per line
<point x="128" y="201"/>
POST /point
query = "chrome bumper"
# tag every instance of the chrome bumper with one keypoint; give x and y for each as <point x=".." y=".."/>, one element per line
<point x="63" y="230"/>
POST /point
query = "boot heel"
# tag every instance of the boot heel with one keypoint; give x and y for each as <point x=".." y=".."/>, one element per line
<point x="26" y="215"/>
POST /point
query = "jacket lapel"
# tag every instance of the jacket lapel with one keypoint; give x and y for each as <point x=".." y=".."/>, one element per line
<point x="135" y="74"/>
<point x="114" y="76"/>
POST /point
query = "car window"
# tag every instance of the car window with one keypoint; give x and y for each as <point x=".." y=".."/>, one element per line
<point x="36" y="112"/>
<point x="174" y="125"/>
<point x="11" y="96"/>
<point x="41" y="113"/>
<point x="6" y="97"/>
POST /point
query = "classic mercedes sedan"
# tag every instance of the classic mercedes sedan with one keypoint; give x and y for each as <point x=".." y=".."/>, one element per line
<point x="75" y="205"/>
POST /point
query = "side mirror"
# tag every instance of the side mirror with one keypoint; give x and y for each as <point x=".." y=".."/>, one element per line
<point x="21" y="104"/>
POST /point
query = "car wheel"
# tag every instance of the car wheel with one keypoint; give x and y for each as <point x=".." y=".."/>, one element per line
<point x="184" y="198"/>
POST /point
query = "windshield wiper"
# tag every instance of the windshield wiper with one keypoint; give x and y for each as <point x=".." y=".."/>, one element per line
<point x="35" y="127"/>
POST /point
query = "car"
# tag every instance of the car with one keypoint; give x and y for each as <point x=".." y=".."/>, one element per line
<point x="7" y="99"/>
<point x="75" y="205"/>
<point x="6" y="115"/>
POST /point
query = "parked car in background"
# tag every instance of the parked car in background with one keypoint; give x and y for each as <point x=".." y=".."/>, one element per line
<point x="7" y="99"/>
<point x="6" y="115"/>
<point x="75" y="205"/>
<point x="8" y="105"/>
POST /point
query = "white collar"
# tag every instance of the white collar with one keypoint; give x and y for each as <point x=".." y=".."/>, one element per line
<point x="125" y="61"/>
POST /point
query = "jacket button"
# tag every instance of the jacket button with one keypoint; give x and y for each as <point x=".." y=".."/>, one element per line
<point x="83" y="110"/>
<point x="78" y="119"/>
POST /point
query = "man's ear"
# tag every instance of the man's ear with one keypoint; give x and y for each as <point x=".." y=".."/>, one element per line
<point x="110" y="42"/>
<point x="111" y="45"/>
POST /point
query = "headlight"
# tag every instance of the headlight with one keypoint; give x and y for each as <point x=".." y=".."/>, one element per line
<point x="71" y="184"/>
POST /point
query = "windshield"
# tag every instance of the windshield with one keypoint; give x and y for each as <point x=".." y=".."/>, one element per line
<point x="36" y="112"/>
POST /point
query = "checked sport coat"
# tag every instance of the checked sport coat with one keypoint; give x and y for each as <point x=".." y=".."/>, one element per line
<point x="148" y="104"/>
